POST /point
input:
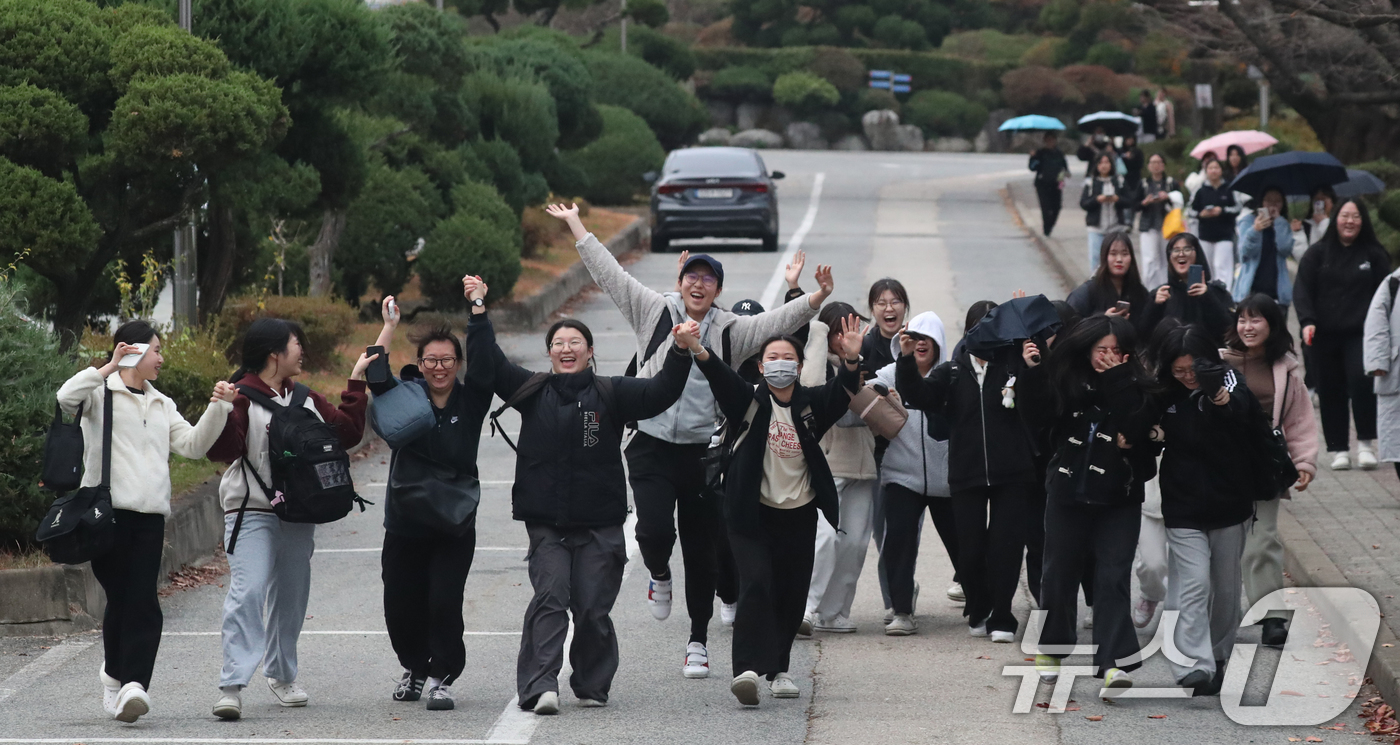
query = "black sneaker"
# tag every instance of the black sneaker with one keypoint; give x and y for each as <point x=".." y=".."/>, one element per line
<point x="440" y="699"/>
<point x="1196" y="680"/>
<point x="411" y="688"/>
<point x="1275" y="633"/>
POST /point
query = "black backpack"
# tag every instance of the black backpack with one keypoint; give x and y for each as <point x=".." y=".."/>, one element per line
<point x="82" y="526"/>
<point x="310" y="470"/>
<point x="532" y="385"/>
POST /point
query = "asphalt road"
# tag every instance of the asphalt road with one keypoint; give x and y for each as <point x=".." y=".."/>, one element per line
<point x="936" y="221"/>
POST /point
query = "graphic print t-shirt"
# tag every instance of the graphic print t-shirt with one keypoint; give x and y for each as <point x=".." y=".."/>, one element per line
<point x="787" y="484"/>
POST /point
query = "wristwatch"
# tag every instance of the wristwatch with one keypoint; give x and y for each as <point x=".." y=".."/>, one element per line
<point x="478" y="302"/>
<point x="859" y="359"/>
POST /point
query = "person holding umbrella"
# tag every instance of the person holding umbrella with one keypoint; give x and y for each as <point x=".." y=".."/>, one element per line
<point x="1050" y="169"/>
<point x="1099" y="143"/>
<point x="1215" y="208"/>
<point x="1337" y="277"/>
<point x="976" y="392"/>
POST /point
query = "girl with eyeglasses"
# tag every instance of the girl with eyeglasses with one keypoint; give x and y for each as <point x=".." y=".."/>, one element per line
<point x="1205" y="303"/>
<point x="571" y="493"/>
<point x="429" y="515"/>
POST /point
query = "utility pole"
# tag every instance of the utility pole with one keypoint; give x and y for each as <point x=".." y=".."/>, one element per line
<point x="439" y="5"/>
<point x="1257" y="76"/>
<point x="185" y="285"/>
<point x="624" y="26"/>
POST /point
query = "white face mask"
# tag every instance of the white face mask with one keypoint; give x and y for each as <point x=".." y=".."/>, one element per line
<point x="780" y="373"/>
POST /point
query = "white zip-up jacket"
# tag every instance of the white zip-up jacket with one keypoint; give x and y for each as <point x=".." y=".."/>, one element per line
<point x="146" y="429"/>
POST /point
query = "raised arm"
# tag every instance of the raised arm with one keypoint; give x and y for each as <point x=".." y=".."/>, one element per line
<point x="644" y="398"/>
<point x="194" y="440"/>
<point x="636" y="301"/>
<point x="748" y="332"/>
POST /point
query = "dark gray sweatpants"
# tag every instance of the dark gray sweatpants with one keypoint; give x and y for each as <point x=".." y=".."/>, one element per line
<point x="574" y="571"/>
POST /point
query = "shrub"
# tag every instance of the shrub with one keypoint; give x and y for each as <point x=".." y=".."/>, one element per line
<point x="659" y="50"/>
<point x="803" y="91"/>
<point x="1383" y="169"/>
<point x="34" y="369"/>
<point x="838" y="67"/>
<point x="538" y="231"/>
<point x="871" y="99"/>
<point x="461" y="244"/>
<point x="675" y="115"/>
<point x="517" y="110"/>
<point x="1389" y="211"/>
<point x="483" y="201"/>
<point x="1109" y="55"/>
<point x="551" y="61"/>
<point x="1042" y="54"/>
<point x="944" y="114"/>
<point x="897" y="33"/>
<point x="395" y="208"/>
<point x="616" y="160"/>
<point x="741" y="83"/>
<point x="1160" y="54"/>
<point x="195" y="360"/>
<point x="496" y="162"/>
<point x="324" y="320"/>
<point x="1031" y="90"/>
<point x="1101" y="87"/>
<point x="990" y="44"/>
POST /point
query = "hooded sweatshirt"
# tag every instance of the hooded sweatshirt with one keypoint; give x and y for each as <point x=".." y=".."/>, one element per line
<point x="692" y="419"/>
<point x="914" y="460"/>
<point x="1335" y="284"/>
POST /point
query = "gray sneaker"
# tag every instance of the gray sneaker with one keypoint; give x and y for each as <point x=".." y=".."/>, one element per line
<point x="902" y="625"/>
<point x="440" y="699"/>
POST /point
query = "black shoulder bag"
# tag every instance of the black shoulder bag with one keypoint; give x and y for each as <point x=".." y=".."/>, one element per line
<point x="81" y="526"/>
<point x="63" y="453"/>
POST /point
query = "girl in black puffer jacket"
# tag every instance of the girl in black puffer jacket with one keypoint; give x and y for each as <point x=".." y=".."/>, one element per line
<point x="1096" y="410"/>
<point x="571" y="494"/>
<point x="1207" y="498"/>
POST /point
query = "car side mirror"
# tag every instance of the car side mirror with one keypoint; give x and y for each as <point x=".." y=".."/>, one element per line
<point x="650" y="176"/>
<point x="777" y="175"/>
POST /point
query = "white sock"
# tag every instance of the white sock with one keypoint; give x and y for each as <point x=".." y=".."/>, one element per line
<point x="434" y="683"/>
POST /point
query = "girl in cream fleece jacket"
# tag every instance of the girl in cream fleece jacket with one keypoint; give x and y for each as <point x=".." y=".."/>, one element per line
<point x="146" y="429"/>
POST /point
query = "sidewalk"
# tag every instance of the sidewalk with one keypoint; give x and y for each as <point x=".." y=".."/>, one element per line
<point x="1343" y="531"/>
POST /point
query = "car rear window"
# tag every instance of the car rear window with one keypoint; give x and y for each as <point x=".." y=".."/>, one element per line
<point x="707" y="163"/>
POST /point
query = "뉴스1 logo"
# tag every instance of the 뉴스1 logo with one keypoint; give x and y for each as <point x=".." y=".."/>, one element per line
<point x="1323" y="664"/>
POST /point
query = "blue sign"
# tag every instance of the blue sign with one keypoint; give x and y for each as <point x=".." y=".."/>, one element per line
<point x="903" y="79"/>
<point x="900" y="89"/>
<point x="880" y="74"/>
<point x="880" y="84"/>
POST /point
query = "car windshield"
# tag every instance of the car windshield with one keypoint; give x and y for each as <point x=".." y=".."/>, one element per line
<point x="709" y="163"/>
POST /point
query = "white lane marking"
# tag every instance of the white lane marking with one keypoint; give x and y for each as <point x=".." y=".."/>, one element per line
<point x="377" y="549"/>
<point x="775" y="283"/>
<point x="340" y="633"/>
<point x="46" y="663"/>
<point x="517" y="725"/>
<point x="262" y="740"/>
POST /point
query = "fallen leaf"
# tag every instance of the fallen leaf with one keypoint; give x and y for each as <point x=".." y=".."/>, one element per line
<point x="1071" y="708"/>
<point x="1313" y="738"/>
<point x="1156" y="716"/>
<point x="1030" y="659"/>
<point x="1043" y="705"/>
<point x="1095" y="717"/>
<point x="1375" y="545"/>
<point x="1289" y="693"/>
<point x="983" y="657"/>
<point x="1295" y="739"/>
<point x="1387" y="645"/>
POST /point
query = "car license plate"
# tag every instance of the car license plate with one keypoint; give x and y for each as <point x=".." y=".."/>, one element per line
<point x="714" y="193"/>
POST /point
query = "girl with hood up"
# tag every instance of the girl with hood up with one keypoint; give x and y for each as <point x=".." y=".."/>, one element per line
<point x="914" y="477"/>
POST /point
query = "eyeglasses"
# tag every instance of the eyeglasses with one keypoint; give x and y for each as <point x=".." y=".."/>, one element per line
<point x="888" y="304"/>
<point x="436" y="363"/>
<point x="574" y="344"/>
<point x="696" y="278"/>
<point x="1182" y="251"/>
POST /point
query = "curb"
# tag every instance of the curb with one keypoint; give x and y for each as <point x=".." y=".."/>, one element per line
<point x="1052" y="256"/>
<point x="536" y="309"/>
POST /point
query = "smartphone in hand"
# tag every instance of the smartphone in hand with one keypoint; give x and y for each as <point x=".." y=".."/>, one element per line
<point x="131" y="360"/>
<point x="1195" y="274"/>
<point x="378" y="370"/>
<point x="1123" y="306"/>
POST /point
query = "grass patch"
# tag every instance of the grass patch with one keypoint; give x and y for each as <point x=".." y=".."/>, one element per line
<point x="22" y="558"/>
<point x="989" y="45"/>
<point x="186" y="474"/>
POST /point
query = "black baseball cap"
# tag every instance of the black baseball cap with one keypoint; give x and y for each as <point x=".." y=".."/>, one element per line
<point x="747" y="308"/>
<point x="709" y="261"/>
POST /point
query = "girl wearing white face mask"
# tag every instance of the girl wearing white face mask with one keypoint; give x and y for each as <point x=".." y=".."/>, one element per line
<point x="775" y="482"/>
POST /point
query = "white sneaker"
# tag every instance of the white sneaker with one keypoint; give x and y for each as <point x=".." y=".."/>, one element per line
<point x="837" y="625"/>
<point x="805" y="630"/>
<point x="697" y="661"/>
<point x="132" y="703"/>
<point x="111" y="688"/>
<point x="659" y="598"/>
<point x="1003" y="637"/>
<point x="889" y="616"/>
<point x="1342" y="461"/>
<point x="956" y="594"/>
<point x="979" y="631"/>
<point x="230" y="704"/>
<point x="289" y="694"/>
<point x="1143" y="612"/>
<point x="903" y="624"/>
<point x="591" y="703"/>
<point x="1366" y="456"/>
<point x="727" y="612"/>
<point x="547" y="704"/>
<point x="745" y="688"/>
<point x="1088" y="623"/>
<point x="783" y="687"/>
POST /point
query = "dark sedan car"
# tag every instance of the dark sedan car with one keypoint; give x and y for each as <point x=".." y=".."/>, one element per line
<point x="714" y="192"/>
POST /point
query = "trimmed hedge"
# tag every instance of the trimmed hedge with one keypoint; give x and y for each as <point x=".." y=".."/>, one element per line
<point x="324" y="320"/>
<point x="615" y="162"/>
<point x="462" y="244"/>
<point x="945" y="114"/>
<point x="930" y="70"/>
<point x="673" y="113"/>
<point x="803" y="91"/>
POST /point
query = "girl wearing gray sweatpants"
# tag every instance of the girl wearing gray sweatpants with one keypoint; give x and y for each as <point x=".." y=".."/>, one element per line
<point x="269" y="560"/>
<point x="1207" y="500"/>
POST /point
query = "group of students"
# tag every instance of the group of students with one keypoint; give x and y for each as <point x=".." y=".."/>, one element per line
<point x="1116" y="448"/>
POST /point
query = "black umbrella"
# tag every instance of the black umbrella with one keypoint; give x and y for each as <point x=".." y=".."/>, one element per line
<point x="1114" y="123"/>
<point x="1359" y="183"/>
<point x="1011" y="323"/>
<point x="1293" y="173"/>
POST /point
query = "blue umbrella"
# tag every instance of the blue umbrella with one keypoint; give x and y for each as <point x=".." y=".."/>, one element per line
<point x="1293" y="173"/>
<point x="1359" y="183"/>
<point x="1032" y="121"/>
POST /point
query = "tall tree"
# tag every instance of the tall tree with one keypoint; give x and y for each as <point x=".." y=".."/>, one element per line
<point x="1337" y="62"/>
<point x="109" y="120"/>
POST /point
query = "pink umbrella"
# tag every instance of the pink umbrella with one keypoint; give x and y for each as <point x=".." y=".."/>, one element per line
<point x="1251" y="140"/>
